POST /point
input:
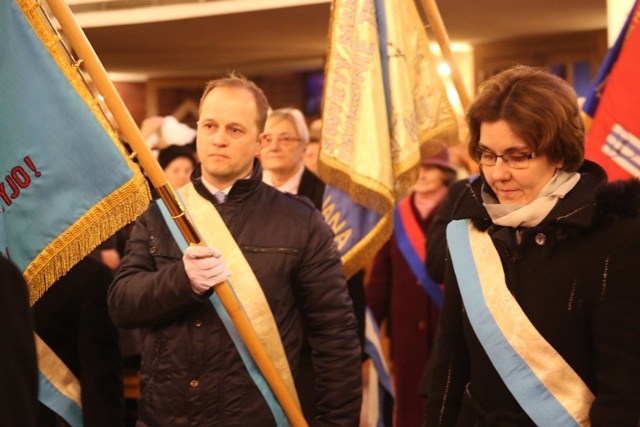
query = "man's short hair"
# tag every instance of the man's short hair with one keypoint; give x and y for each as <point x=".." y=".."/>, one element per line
<point x="236" y="80"/>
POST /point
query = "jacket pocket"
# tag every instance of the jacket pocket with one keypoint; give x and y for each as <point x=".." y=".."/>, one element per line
<point x="270" y="250"/>
<point x="153" y="354"/>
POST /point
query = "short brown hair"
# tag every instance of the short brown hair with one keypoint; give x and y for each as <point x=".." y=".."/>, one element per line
<point x="236" y="80"/>
<point x="540" y="108"/>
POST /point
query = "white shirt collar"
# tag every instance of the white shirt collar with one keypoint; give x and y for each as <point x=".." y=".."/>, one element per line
<point x="213" y="189"/>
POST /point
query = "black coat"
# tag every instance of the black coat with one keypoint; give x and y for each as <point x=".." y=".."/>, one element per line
<point x="191" y="372"/>
<point x="72" y="318"/>
<point x="19" y="372"/>
<point x="577" y="278"/>
<point x="313" y="188"/>
<point x="436" y="233"/>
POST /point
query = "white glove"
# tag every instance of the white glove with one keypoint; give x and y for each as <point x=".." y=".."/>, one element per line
<point x="204" y="267"/>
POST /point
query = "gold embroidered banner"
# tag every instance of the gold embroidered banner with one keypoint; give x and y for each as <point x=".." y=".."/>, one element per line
<point x="383" y="100"/>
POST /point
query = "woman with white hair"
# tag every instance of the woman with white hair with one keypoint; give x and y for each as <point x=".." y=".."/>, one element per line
<point x="286" y="136"/>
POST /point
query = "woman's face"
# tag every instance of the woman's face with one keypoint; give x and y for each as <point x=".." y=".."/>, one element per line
<point x="283" y="150"/>
<point x="430" y="180"/>
<point x="178" y="172"/>
<point x="511" y="185"/>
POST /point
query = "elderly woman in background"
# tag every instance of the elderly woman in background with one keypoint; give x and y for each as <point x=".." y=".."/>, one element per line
<point x="286" y="137"/>
<point x="399" y="291"/>
<point x="542" y="292"/>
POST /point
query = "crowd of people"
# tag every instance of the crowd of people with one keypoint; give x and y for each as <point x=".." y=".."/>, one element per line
<point x="508" y="292"/>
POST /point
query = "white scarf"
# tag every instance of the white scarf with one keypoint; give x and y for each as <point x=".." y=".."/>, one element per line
<point x="531" y="214"/>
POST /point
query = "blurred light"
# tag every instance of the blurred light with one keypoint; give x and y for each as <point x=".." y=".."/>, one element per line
<point x="455" y="47"/>
<point x="444" y="69"/>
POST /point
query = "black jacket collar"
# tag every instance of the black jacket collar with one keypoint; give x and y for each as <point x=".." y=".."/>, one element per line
<point x="240" y="190"/>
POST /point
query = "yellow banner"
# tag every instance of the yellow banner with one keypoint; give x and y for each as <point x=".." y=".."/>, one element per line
<point x="383" y="100"/>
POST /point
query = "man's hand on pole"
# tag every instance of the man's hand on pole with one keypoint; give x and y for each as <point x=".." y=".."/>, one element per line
<point x="204" y="267"/>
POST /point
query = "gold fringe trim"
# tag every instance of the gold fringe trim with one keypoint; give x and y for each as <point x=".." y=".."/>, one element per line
<point x="98" y="224"/>
<point x="70" y="68"/>
<point x="362" y="253"/>
<point x="108" y="216"/>
<point x="363" y="190"/>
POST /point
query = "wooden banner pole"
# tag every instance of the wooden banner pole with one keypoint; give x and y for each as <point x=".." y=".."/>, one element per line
<point x="430" y="9"/>
<point x="92" y="64"/>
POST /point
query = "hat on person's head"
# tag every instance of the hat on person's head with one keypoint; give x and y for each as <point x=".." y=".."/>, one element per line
<point x="441" y="159"/>
<point x="172" y="152"/>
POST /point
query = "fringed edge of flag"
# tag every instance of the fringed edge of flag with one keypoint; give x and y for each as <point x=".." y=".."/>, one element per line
<point x="33" y="13"/>
<point x="362" y="190"/>
<point x="99" y="223"/>
<point x="112" y="213"/>
<point x="363" y="252"/>
<point x="407" y="174"/>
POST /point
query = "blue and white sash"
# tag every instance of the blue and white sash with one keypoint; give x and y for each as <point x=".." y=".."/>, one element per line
<point x="542" y="382"/>
<point x="58" y="387"/>
<point x="248" y="292"/>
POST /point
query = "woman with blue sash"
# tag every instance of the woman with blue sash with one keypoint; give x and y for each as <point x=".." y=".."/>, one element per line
<point x="542" y="291"/>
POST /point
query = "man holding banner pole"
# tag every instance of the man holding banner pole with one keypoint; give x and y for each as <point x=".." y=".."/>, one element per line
<point x="285" y="270"/>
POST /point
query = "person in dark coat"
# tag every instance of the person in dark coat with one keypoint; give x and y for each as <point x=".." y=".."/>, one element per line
<point x="395" y="293"/>
<point x="192" y="373"/>
<point x="539" y="323"/>
<point x="282" y="158"/>
<point x="436" y="244"/>
<point x="19" y="373"/>
<point x="71" y="318"/>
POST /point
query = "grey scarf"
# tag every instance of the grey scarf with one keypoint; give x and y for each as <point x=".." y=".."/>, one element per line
<point x="531" y="214"/>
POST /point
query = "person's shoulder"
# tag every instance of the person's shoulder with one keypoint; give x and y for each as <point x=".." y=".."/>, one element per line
<point x="11" y="281"/>
<point x="311" y="177"/>
<point x="286" y="200"/>
<point x="289" y="207"/>
<point x="300" y="198"/>
<point x="297" y="203"/>
<point x="617" y="201"/>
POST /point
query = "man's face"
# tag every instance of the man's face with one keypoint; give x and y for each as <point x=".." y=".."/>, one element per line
<point x="227" y="139"/>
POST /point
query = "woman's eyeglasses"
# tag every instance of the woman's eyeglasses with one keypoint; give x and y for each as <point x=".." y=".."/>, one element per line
<point x="513" y="160"/>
